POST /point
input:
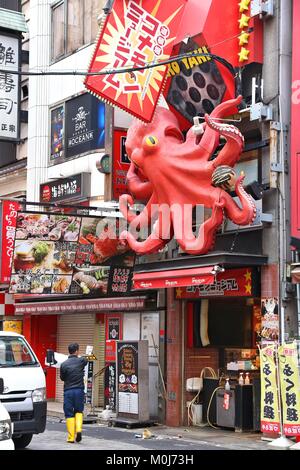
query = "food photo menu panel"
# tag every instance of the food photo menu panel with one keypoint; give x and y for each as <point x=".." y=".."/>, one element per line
<point x="58" y="254"/>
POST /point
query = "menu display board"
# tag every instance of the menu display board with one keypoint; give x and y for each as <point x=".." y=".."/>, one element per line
<point x="128" y="377"/>
<point x="58" y="254"/>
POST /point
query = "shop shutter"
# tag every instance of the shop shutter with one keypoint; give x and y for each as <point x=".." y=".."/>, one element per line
<point x="75" y="328"/>
<point x="99" y="348"/>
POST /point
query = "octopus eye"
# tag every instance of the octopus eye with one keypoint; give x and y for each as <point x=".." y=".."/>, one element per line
<point x="151" y="140"/>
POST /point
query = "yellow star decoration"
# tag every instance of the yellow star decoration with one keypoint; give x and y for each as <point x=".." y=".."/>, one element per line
<point x="244" y="38"/>
<point x="248" y="288"/>
<point x="243" y="55"/>
<point x="248" y="276"/>
<point x="244" y="21"/>
<point x="178" y="292"/>
<point x="244" y="5"/>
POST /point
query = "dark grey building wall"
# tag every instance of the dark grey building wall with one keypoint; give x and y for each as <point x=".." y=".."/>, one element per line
<point x="11" y="4"/>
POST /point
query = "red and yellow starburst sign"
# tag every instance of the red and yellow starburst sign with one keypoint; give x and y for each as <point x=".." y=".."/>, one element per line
<point x="136" y="33"/>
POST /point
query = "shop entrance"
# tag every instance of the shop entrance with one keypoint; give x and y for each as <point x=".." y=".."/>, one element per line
<point x="43" y="337"/>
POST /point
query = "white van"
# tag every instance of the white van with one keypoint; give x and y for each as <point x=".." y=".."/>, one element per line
<point x="24" y="395"/>
<point x="6" y="442"/>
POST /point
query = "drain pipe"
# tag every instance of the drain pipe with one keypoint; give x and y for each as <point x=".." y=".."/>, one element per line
<point x="285" y="77"/>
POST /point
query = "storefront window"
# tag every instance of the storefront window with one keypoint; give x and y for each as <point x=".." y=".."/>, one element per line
<point x="74" y="24"/>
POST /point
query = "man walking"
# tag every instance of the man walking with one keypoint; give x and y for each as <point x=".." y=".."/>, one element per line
<point x="72" y="373"/>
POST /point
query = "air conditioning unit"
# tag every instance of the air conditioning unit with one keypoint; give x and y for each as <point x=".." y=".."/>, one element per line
<point x="194" y="384"/>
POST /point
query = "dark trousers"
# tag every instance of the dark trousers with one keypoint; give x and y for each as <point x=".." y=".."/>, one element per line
<point x="73" y="401"/>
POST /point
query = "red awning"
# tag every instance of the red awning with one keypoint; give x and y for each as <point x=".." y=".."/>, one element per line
<point x="173" y="278"/>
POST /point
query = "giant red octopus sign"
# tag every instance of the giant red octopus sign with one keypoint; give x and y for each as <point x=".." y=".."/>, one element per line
<point x="173" y="175"/>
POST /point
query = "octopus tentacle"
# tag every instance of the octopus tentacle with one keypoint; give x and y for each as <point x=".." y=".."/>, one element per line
<point x="140" y="190"/>
<point x="247" y="213"/>
<point x="152" y="244"/>
<point x="206" y="236"/>
<point x="141" y="220"/>
<point x="232" y="150"/>
<point x="211" y="136"/>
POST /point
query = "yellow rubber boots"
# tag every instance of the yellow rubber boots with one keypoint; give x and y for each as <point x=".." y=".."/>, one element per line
<point x="70" y="423"/>
<point x="78" y="426"/>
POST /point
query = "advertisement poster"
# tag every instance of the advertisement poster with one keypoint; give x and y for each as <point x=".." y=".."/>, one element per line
<point x="269" y="398"/>
<point x="9" y="211"/>
<point x="127" y="369"/>
<point x="64" y="254"/>
<point x="290" y="388"/>
<point x="269" y="319"/>
<point x="85" y="123"/>
<point x="9" y="87"/>
<point x="120" y="165"/>
<point x="110" y="386"/>
<point x="16" y="326"/>
<point x="57" y="133"/>
<point x="134" y="35"/>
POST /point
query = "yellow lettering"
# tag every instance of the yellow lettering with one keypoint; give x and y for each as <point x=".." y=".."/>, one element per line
<point x="185" y="62"/>
<point x="176" y="67"/>
<point x="193" y="61"/>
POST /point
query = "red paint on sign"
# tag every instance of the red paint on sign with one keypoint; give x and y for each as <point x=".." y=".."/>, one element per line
<point x="134" y="35"/>
<point x="9" y="220"/>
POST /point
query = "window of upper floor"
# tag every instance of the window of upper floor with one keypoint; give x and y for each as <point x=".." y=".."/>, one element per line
<point x="74" y="25"/>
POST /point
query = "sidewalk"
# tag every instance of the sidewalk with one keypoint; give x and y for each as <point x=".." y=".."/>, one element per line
<point x="203" y="434"/>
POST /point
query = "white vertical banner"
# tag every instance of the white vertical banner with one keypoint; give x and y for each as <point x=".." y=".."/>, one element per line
<point x="9" y="87"/>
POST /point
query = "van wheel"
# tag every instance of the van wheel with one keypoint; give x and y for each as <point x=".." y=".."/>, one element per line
<point x="22" y="441"/>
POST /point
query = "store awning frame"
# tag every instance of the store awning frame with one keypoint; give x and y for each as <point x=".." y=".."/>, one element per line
<point x="174" y="278"/>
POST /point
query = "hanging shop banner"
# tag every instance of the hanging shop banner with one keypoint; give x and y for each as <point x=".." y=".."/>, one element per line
<point x="9" y="87"/>
<point x="58" y="254"/>
<point x="120" y="166"/>
<point x="135" y="34"/>
<point x="110" y="386"/>
<point x="269" y="319"/>
<point x="127" y="370"/>
<point x="8" y="218"/>
<point x="269" y="397"/>
<point x="231" y="283"/>
<point x="73" y="187"/>
<point x="290" y="388"/>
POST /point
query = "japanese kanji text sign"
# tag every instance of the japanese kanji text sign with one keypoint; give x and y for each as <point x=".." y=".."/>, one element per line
<point x="7" y="237"/>
<point x="136" y="33"/>
<point x="9" y="87"/>
<point x="290" y="388"/>
<point x="269" y="397"/>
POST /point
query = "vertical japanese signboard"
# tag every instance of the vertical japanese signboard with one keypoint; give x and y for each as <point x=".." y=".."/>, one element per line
<point x="269" y="398"/>
<point x="135" y="34"/>
<point x="295" y="135"/>
<point x="127" y="380"/>
<point x="7" y="237"/>
<point x="290" y="388"/>
<point x="9" y="87"/>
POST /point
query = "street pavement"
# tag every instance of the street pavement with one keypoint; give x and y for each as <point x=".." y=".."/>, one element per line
<point x="102" y="437"/>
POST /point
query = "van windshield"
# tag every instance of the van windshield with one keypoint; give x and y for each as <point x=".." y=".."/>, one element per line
<point x="14" y="352"/>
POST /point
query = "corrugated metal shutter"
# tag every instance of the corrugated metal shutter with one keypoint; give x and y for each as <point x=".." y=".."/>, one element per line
<point x="75" y="328"/>
<point x="99" y="348"/>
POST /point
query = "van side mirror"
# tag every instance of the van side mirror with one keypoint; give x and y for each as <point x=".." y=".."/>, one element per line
<point x="1" y="386"/>
<point x="50" y="357"/>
